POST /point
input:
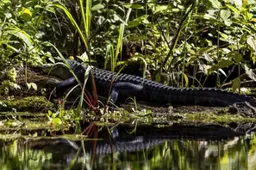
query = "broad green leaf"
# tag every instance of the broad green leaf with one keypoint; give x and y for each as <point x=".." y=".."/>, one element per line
<point x="247" y="15"/>
<point x="223" y="35"/>
<point x="208" y="16"/>
<point x="253" y="20"/>
<point x="160" y="8"/>
<point x="251" y="41"/>
<point x="253" y="57"/>
<point x="133" y="6"/>
<point x="235" y="55"/>
<point x="97" y="7"/>
<point x="28" y="85"/>
<point x="223" y="63"/>
<point x="215" y="4"/>
<point x="56" y="121"/>
<point x="225" y="14"/>
<point x="238" y="3"/>
<point x="236" y="83"/>
<point x="34" y="86"/>
<point x="21" y="35"/>
<point x="137" y="21"/>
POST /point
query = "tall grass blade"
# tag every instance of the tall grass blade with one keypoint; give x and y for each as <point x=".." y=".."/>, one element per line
<point x="72" y="20"/>
<point x="86" y="76"/>
<point x="66" y="63"/>
<point x="88" y="17"/>
<point x="110" y="55"/>
<point x="120" y="38"/>
<point x="81" y="5"/>
<point x="118" y="46"/>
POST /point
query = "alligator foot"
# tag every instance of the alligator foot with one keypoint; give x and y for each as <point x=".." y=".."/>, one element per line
<point x="245" y="109"/>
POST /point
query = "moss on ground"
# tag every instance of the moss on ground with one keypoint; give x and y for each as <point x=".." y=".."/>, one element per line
<point x="29" y="104"/>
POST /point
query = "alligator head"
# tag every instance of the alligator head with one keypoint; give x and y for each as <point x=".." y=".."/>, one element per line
<point x="59" y="70"/>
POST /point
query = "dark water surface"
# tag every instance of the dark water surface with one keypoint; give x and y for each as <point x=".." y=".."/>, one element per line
<point x="147" y="151"/>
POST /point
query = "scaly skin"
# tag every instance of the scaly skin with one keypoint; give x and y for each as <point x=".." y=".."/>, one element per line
<point x="124" y="85"/>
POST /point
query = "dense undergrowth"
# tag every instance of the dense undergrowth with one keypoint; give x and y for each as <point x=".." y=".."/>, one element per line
<point x="180" y="43"/>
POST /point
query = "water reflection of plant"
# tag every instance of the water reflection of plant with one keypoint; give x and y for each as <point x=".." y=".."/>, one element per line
<point x="237" y="153"/>
<point x="14" y="156"/>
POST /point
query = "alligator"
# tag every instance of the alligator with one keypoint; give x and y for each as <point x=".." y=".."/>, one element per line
<point x="145" y="138"/>
<point x="124" y="85"/>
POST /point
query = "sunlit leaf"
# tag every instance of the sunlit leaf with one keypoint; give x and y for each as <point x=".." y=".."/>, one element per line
<point x="251" y="41"/>
<point x="88" y="15"/>
<point x="56" y="121"/>
<point x="28" y="85"/>
<point x="225" y="14"/>
<point x="223" y="72"/>
<point x="253" y="20"/>
<point x="118" y="46"/>
<point x="232" y="8"/>
<point x="20" y="34"/>
<point x="160" y="8"/>
<point x="236" y="83"/>
<point x="97" y="7"/>
<point x="247" y="15"/>
<point x="25" y="14"/>
<point x="249" y="72"/>
<point x="223" y="35"/>
<point x="215" y="4"/>
<point x="253" y="57"/>
<point x="34" y="86"/>
<point x="186" y="79"/>
<point x="238" y="3"/>
<point x="118" y="18"/>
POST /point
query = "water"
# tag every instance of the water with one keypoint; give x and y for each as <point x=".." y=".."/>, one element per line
<point x="131" y="152"/>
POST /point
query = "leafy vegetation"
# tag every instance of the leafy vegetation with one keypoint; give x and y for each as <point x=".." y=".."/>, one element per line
<point x="180" y="43"/>
<point x="184" y="43"/>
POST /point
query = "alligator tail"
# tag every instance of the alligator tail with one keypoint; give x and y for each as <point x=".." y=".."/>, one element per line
<point x="198" y="96"/>
<point x="206" y="96"/>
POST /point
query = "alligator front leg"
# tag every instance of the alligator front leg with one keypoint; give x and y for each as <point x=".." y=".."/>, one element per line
<point x="64" y="85"/>
<point x="125" y="89"/>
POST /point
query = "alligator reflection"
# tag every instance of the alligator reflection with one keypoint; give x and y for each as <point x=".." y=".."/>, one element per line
<point x="211" y="147"/>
